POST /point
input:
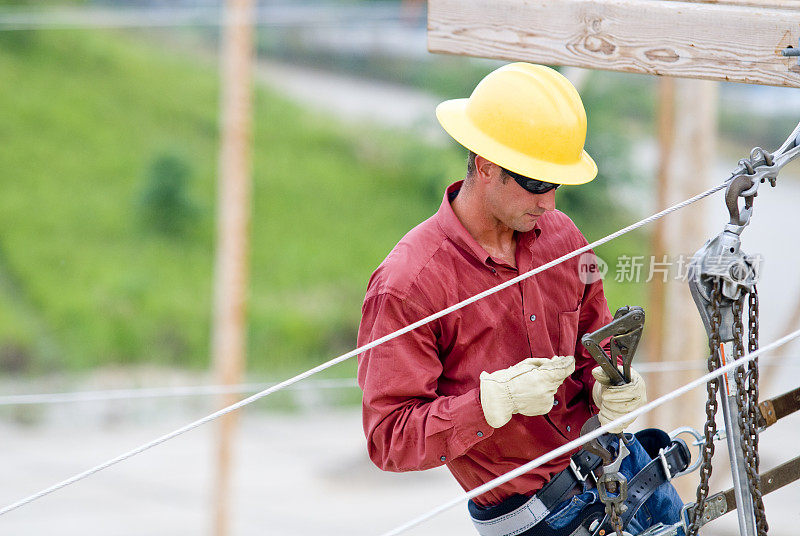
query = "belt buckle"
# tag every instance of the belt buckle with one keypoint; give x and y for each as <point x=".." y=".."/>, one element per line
<point x="665" y="464"/>
<point x="577" y="472"/>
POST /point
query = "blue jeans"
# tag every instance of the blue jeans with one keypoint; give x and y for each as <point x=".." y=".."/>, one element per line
<point x="663" y="506"/>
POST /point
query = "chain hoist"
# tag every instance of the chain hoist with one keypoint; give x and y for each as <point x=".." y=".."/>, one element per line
<point x="721" y="278"/>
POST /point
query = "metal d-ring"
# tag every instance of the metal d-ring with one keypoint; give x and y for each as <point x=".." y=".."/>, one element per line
<point x="699" y="441"/>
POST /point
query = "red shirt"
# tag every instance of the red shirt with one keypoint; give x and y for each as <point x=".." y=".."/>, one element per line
<point x="421" y="404"/>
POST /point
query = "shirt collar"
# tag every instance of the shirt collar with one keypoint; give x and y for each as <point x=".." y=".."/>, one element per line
<point x="455" y="231"/>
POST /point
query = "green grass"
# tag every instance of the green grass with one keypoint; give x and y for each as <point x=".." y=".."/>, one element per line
<point x="84" y="281"/>
<point x="85" y="114"/>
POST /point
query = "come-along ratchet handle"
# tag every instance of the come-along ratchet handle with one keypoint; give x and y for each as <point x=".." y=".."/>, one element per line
<point x="625" y="331"/>
<point x="602" y="359"/>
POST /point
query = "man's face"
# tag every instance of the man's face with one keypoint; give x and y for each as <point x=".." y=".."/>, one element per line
<point x="514" y="206"/>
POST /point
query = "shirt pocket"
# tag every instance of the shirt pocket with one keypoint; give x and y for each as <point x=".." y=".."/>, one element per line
<point x="568" y="331"/>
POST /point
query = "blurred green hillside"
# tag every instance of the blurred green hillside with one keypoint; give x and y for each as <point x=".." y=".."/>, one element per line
<point x="99" y="130"/>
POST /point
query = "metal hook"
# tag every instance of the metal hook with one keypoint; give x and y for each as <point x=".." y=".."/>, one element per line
<point x="736" y="188"/>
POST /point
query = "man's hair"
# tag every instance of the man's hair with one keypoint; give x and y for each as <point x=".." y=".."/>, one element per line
<point x="470" y="164"/>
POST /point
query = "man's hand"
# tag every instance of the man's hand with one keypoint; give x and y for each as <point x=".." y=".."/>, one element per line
<point x="527" y="388"/>
<point x="615" y="401"/>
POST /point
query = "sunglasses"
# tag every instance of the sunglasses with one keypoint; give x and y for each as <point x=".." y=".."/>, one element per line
<point x="532" y="185"/>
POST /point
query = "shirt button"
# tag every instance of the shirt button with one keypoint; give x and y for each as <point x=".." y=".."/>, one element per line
<point x="494" y="271"/>
<point x="443" y="458"/>
<point x="480" y="434"/>
<point x="569" y="428"/>
<point x="533" y="318"/>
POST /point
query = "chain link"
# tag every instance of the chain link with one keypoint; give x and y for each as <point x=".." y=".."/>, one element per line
<point x="747" y="402"/>
<point x="616" y="521"/>
<point x="710" y="428"/>
<point x="752" y="417"/>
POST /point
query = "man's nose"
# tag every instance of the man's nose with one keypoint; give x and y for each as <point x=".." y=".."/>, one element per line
<point x="546" y="201"/>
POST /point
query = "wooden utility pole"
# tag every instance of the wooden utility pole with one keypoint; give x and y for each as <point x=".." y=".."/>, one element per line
<point x="687" y="133"/>
<point x="656" y="303"/>
<point x="231" y="269"/>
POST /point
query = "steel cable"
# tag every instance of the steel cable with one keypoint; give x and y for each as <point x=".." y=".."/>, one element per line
<point x="161" y="392"/>
<point x="308" y="16"/>
<point x="28" y="399"/>
<point x="344" y="357"/>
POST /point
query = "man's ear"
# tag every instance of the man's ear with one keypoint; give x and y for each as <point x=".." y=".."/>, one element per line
<point x="485" y="170"/>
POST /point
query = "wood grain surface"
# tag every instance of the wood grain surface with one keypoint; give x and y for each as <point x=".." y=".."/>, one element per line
<point x="729" y="40"/>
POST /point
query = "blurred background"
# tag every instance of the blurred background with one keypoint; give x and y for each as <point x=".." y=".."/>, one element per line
<point x="109" y="150"/>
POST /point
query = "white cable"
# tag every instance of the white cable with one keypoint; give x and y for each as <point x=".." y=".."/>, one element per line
<point x="319" y="368"/>
<point x="162" y="392"/>
<point x="267" y="16"/>
<point x="646" y="367"/>
<point x="568" y="447"/>
<point x="650" y="367"/>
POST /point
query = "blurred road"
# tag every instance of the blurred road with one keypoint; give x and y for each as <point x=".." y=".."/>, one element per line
<point x="355" y="100"/>
<point x="295" y="476"/>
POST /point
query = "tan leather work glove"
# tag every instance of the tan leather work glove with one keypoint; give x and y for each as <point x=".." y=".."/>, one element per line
<point x="527" y="388"/>
<point x="615" y="401"/>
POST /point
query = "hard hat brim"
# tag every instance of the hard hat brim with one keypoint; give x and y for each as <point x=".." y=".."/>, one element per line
<point x="453" y="118"/>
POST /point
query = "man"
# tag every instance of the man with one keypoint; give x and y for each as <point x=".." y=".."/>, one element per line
<point x="494" y="385"/>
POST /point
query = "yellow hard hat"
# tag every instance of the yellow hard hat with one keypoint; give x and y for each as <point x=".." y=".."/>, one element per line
<point x="526" y="118"/>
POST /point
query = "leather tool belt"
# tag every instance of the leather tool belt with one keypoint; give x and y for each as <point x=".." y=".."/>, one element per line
<point x="531" y="511"/>
<point x="520" y="514"/>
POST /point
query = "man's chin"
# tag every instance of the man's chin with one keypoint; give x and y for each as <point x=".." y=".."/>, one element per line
<point x="528" y="223"/>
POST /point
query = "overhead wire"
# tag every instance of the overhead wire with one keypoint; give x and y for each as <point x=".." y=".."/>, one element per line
<point x="646" y="367"/>
<point x="582" y="440"/>
<point x="344" y="357"/>
<point x="163" y="392"/>
<point x="210" y="16"/>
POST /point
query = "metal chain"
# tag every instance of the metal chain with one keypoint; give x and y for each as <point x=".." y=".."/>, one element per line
<point x="616" y="522"/>
<point x="743" y="399"/>
<point x="752" y="416"/>
<point x="747" y="402"/>
<point x="710" y="428"/>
